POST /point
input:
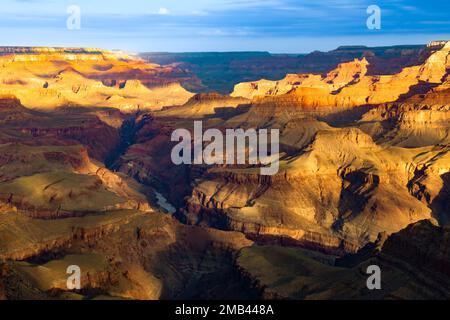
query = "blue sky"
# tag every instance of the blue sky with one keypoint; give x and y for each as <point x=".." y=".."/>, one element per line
<point x="291" y="26"/>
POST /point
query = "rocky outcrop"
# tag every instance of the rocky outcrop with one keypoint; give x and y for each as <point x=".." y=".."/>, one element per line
<point x="418" y="121"/>
<point x="205" y="104"/>
<point x="424" y="246"/>
<point x="345" y="74"/>
<point x="413" y="263"/>
<point x="127" y="255"/>
<point x="62" y="194"/>
<point x="45" y="173"/>
<point x="97" y="130"/>
<point x="340" y="189"/>
<point x="47" y="236"/>
<point x="347" y="86"/>
<point x="48" y="78"/>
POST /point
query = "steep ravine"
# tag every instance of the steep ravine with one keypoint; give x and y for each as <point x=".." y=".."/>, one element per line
<point x="129" y="136"/>
<point x="128" y="132"/>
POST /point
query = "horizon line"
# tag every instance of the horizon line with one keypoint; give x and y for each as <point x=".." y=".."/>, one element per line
<point x="218" y="51"/>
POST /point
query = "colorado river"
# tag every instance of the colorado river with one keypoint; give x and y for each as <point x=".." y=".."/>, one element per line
<point x="163" y="203"/>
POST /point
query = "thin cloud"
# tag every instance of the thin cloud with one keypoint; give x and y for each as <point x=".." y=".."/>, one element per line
<point x="163" y="11"/>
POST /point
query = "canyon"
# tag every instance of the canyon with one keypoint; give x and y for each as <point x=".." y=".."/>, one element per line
<point x="87" y="179"/>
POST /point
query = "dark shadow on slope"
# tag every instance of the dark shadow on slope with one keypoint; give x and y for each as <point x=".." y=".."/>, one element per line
<point x="199" y="268"/>
<point x="128" y="133"/>
<point x="347" y="117"/>
<point x="350" y="116"/>
<point x="227" y="113"/>
<point x="440" y="206"/>
<point x="419" y="89"/>
<point x="354" y="197"/>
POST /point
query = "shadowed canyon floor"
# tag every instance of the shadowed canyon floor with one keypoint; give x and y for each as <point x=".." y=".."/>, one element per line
<point x="86" y="178"/>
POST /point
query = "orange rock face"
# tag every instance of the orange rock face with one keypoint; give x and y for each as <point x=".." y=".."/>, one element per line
<point x="204" y="104"/>
<point x="46" y="78"/>
<point x="347" y="86"/>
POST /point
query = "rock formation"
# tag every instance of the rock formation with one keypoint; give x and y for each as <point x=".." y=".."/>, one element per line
<point x="347" y="86"/>
<point x="47" y="78"/>
<point x="414" y="264"/>
<point x="204" y="104"/>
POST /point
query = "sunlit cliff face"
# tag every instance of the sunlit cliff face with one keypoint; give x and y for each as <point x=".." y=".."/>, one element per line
<point x="47" y="78"/>
<point x="348" y="85"/>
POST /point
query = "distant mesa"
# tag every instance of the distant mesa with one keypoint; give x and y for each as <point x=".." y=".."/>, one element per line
<point x="5" y="50"/>
<point x="437" y="44"/>
<point x="342" y="48"/>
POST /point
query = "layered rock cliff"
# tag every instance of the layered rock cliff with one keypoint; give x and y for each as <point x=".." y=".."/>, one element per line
<point x="347" y="86"/>
<point x="48" y="78"/>
<point x="343" y="187"/>
<point x="413" y="264"/>
<point x="338" y="188"/>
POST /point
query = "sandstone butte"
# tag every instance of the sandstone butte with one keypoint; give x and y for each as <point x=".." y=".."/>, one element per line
<point x="364" y="178"/>
<point x="47" y="78"/>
